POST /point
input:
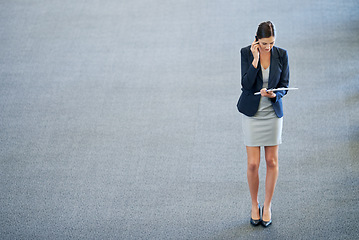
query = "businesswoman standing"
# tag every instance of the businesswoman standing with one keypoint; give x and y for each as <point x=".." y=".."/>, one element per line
<point x="263" y="67"/>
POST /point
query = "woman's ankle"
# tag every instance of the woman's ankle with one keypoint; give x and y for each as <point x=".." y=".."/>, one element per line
<point x="255" y="204"/>
<point x="267" y="206"/>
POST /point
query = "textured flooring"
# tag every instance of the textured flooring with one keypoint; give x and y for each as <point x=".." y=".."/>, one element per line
<point x="118" y="120"/>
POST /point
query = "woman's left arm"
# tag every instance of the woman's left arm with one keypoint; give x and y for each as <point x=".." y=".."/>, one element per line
<point x="284" y="78"/>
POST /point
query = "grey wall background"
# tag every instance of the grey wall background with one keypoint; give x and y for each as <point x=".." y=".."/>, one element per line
<point x="118" y="120"/>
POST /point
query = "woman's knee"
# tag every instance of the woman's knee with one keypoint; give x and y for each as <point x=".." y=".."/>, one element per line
<point x="271" y="156"/>
<point x="253" y="166"/>
<point x="253" y="157"/>
<point x="272" y="161"/>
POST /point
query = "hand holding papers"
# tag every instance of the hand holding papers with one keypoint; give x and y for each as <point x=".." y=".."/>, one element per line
<point x="277" y="89"/>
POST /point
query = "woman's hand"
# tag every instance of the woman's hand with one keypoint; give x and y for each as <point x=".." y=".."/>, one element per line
<point x="268" y="94"/>
<point x="255" y="49"/>
<point x="255" y="53"/>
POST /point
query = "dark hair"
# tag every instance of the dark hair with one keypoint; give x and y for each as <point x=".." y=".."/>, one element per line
<point x="266" y="30"/>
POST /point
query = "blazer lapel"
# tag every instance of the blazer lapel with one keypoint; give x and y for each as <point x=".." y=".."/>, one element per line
<point x="260" y="71"/>
<point x="274" y="64"/>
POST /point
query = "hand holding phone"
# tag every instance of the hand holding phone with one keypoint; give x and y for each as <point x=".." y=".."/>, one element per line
<point x="255" y="48"/>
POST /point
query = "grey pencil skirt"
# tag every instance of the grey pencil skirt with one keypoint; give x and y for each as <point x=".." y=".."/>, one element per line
<point x="262" y="131"/>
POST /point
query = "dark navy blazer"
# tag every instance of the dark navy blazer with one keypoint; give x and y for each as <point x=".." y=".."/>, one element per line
<point x="252" y="81"/>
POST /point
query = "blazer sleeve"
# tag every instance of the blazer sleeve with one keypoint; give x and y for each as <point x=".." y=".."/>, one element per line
<point x="249" y="73"/>
<point x="284" y="77"/>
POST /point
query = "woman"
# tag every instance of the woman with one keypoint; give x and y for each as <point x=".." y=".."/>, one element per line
<point x="263" y="67"/>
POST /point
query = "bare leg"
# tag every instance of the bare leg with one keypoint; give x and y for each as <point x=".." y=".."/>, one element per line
<point x="271" y="156"/>
<point x="253" y="157"/>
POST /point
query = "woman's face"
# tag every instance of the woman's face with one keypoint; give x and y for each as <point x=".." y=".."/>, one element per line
<point x="266" y="44"/>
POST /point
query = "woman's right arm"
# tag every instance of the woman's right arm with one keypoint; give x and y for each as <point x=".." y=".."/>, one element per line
<point x="249" y="69"/>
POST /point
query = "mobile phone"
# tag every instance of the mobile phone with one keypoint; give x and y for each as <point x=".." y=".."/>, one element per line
<point x="256" y="38"/>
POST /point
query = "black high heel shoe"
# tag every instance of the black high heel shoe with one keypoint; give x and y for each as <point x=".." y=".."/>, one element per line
<point x="256" y="222"/>
<point x="266" y="223"/>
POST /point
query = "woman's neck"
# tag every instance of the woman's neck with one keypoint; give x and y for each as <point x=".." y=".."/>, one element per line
<point x="264" y="54"/>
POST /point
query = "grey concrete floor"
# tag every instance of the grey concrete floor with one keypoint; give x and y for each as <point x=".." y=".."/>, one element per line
<point x="118" y="120"/>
